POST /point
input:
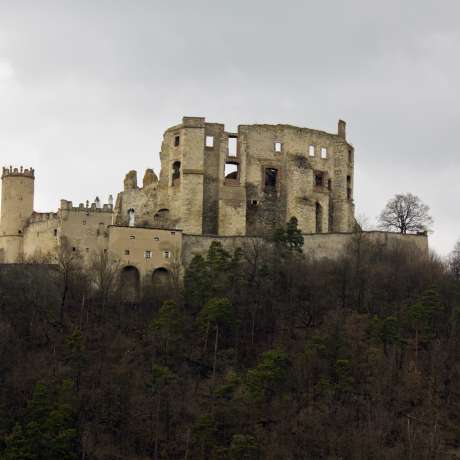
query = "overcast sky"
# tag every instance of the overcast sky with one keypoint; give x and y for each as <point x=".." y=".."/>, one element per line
<point x="87" y="88"/>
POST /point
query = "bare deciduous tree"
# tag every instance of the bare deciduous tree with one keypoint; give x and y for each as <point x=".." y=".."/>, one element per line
<point x="405" y="214"/>
<point x="104" y="270"/>
<point x="454" y="261"/>
<point x="68" y="262"/>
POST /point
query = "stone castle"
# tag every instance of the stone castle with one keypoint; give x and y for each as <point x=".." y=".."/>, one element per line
<point x="213" y="185"/>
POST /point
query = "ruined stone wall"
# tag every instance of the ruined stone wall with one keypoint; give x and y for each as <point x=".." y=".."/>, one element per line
<point x="143" y="201"/>
<point x="317" y="246"/>
<point x="41" y="236"/>
<point x="86" y="229"/>
<point x="195" y="192"/>
<point x="215" y="135"/>
<point x="298" y="155"/>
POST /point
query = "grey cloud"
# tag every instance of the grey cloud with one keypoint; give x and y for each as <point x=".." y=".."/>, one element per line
<point x="87" y="87"/>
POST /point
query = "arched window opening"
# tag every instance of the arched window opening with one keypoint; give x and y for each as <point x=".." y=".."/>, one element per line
<point x="131" y="217"/>
<point x="130" y="283"/>
<point x="161" y="278"/>
<point x="319" y="218"/>
<point x="176" y="172"/>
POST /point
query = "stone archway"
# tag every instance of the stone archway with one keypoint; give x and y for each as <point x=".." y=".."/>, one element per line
<point x="161" y="278"/>
<point x="130" y="283"/>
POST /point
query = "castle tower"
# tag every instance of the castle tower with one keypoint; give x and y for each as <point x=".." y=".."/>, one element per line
<point x="182" y="157"/>
<point x="16" y="209"/>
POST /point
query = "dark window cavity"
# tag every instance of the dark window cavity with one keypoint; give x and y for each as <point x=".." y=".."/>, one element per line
<point x="271" y="179"/>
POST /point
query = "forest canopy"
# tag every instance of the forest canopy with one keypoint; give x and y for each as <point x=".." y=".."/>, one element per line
<point x="261" y="353"/>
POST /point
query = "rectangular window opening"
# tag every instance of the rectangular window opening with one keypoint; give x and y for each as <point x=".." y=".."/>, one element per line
<point x="173" y="233"/>
<point x="271" y="177"/>
<point x="83" y="222"/>
<point x="311" y="150"/>
<point x="232" y="171"/>
<point x="323" y="153"/>
<point x="156" y="238"/>
<point x="209" y="141"/>
<point x="176" y="141"/>
<point x="319" y="179"/>
<point x="126" y="252"/>
<point x="167" y="254"/>
<point x="350" y="156"/>
<point x="278" y="147"/>
<point x="148" y="254"/>
<point x="132" y="237"/>
<point x="232" y="146"/>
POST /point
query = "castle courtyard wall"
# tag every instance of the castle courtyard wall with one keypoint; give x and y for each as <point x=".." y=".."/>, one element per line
<point x="316" y="246"/>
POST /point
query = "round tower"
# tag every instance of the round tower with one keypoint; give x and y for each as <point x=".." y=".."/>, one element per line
<point x="16" y="208"/>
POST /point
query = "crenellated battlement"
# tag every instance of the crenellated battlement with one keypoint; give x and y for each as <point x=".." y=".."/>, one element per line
<point x="21" y="171"/>
<point x="95" y="207"/>
<point x="42" y="217"/>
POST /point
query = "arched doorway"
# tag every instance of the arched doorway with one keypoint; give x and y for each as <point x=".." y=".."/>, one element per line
<point x="161" y="278"/>
<point x="130" y="283"/>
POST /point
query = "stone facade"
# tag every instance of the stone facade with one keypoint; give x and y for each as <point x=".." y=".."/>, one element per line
<point x="213" y="184"/>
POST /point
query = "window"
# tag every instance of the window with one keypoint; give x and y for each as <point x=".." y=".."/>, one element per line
<point x="173" y="233"/>
<point x="74" y="249"/>
<point x="176" y="141"/>
<point x="319" y="179"/>
<point x="131" y="217"/>
<point x="55" y="232"/>
<point x="277" y="147"/>
<point x="83" y="222"/>
<point x="209" y="141"/>
<point x="232" y="146"/>
<point x="350" y="156"/>
<point x="167" y="254"/>
<point x="329" y="184"/>
<point x="132" y="237"/>
<point x="232" y="171"/>
<point x="87" y="249"/>
<point x="323" y="153"/>
<point x="311" y="150"/>
<point x="147" y="254"/>
<point x="349" y="187"/>
<point x="176" y="170"/>
<point x="105" y="251"/>
<point x="271" y="176"/>
<point x="156" y="238"/>
<point x="126" y="252"/>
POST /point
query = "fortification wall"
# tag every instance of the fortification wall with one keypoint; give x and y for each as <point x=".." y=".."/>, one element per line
<point x="86" y="229"/>
<point x="317" y="246"/>
<point x="41" y="235"/>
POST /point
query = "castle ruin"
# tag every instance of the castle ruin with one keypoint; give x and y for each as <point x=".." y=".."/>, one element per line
<point x="213" y="185"/>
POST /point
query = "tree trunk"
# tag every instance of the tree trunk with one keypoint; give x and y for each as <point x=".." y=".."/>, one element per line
<point x="215" y="354"/>
<point x="157" y="427"/>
